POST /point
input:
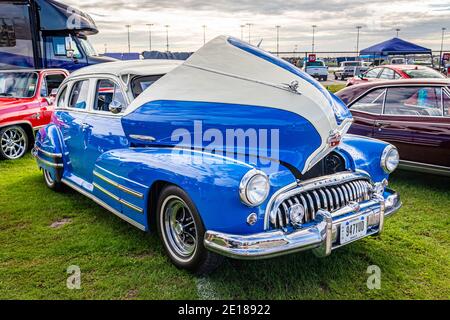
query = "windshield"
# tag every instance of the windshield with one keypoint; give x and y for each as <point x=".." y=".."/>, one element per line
<point x="88" y="48"/>
<point x="18" y="84"/>
<point x="423" y="73"/>
<point x="314" y="64"/>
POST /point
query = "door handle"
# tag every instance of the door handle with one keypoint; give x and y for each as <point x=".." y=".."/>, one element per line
<point x="379" y="125"/>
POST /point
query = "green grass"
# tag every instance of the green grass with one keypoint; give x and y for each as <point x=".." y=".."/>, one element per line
<point x="335" y="87"/>
<point x="118" y="261"/>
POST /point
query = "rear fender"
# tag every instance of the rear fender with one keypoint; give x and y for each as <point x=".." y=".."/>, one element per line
<point x="48" y="150"/>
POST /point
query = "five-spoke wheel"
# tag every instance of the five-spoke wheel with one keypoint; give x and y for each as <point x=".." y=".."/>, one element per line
<point x="13" y="142"/>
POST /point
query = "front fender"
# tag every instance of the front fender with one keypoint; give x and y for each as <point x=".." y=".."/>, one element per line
<point x="48" y="150"/>
<point x="364" y="154"/>
<point x="211" y="181"/>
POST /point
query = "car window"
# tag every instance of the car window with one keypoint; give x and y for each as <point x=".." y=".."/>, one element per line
<point x="387" y="74"/>
<point x="397" y="76"/>
<point x="61" y="98"/>
<point x="446" y="101"/>
<point x="423" y="73"/>
<point x="50" y="82"/>
<point x="372" y="102"/>
<point x="79" y="95"/>
<point x="106" y="92"/>
<point x="414" y="101"/>
<point x="372" y="73"/>
<point x="139" y="84"/>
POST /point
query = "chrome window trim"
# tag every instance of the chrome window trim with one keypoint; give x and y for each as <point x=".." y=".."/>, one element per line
<point x="366" y="93"/>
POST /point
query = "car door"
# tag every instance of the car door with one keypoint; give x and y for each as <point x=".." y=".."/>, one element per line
<point x="411" y="121"/>
<point x="70" y="114"/>
<point x="104" y="133"/>
<point x="366" y="110"/>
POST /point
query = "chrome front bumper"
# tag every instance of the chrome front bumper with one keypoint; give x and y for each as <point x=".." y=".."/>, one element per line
<point x="322" y="235"/>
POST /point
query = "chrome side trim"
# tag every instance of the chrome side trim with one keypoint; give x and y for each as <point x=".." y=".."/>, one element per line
<point x="48" y="163"/>
<point x="113" y="196"/>
<point x="48" y="154"/>
<point x="118" y="185"/>
<point x="142" y="137"/>
<point x="104" y="205"/>
<point x="120" y="177"/>
<point x="424" y="167"/>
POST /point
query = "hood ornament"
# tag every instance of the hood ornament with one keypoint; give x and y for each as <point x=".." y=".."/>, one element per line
<point x="293" y="86"/>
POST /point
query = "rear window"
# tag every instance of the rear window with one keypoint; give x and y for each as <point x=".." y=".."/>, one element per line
<point x="423" y="73"/>
<point x="314" y="64"/>
<point x="139" y="84"/>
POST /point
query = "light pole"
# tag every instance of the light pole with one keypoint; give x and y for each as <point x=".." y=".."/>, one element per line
<point x="128" y="26"/>
<point x="314" y="29"/>
<point x="249" y="35"/>
<point x="357" y="39"/>
<point x="442" y="47"/>
<point x="167" y="37"/>
<point x="106" y="47"/>
<point x="150" y="25"/>
<point x="397" y="30"/>
<point x="242" y="31"/>
<point x="204" y="34"/>
<point x="278" y="39"/>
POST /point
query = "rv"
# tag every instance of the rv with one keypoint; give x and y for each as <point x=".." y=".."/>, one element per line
<point x="45" y="34"/>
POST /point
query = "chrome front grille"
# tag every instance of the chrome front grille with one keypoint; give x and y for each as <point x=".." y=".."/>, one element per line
<point x="327" y="194"/>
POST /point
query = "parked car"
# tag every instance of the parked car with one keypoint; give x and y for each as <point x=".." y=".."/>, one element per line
<point x="236" y="154"/>
<point x="316" y="69"/>
<point x="413" y="115"/>
<point x="349" y="69"/>
<point x="395" y="72"/>
<point x="25" y="106"/>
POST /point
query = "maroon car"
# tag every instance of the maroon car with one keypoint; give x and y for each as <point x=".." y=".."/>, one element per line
<point x="413" y="115"/>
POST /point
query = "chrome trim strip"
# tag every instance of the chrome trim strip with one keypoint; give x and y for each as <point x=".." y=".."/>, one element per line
<point x="118" y="185"/>
<point x="48" y="163"/>
<point x="48" y="154"/>
<point x="120" y="177"/>
<point x="113" y="196"/>
<point x="424" y="167"/>
<point x="103" y="204"/>
<point x="142" y="137"/>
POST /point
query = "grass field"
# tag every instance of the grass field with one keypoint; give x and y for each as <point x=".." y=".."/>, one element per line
<point x="118" y="261"/>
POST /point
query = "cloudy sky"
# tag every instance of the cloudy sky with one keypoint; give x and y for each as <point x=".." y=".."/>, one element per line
<point x="419" y="21"/>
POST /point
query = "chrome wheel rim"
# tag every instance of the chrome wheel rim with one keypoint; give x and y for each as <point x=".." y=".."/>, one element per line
<point x="48" y="177"/>
<point x="179" y="226"/>
<point x="13" y="143"/>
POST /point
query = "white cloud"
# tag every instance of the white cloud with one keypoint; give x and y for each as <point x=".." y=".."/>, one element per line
<point x="419" y="21"/>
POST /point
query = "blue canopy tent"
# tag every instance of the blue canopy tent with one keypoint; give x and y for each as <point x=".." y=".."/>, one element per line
<point x="394" y="46"/>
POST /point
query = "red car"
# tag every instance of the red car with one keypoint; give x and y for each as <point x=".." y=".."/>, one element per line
<point x="26" y="104"/>
<point x="412" y="114"/>
<point x="395" y="72"/>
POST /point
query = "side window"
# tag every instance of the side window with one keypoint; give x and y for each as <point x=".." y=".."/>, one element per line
<point x="373" y="73"/>
<point x="53" y="81"/>
<point x="44" y="88"/>
<point x="59" y="46"/>
<point x="7" y="33"/>
<point x="387" y="74"/>
<point x="446" y="101"/>
<point x="106" y="92"/>
<point x="414" y="101"/>
<point x="372" y="102"/>
<point x="61" y="98"/>
<point x="397" y="76"/>
<point x="79" y="95"/>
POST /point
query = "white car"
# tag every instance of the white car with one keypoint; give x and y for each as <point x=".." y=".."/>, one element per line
<point x="349" y="69"/>
<point x="316" y="69"/>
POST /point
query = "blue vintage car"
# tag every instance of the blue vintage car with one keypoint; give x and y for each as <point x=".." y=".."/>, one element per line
<point x="233" y="152"/>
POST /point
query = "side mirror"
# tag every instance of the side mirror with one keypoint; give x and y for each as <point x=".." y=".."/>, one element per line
<point x="361" y="75"/>
<point x="53" y="93"/>
<point x="115" y="107"/>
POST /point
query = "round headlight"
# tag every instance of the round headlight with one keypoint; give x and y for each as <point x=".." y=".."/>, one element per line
<point x="390" y="159"/>
<point x="254" y="188"/>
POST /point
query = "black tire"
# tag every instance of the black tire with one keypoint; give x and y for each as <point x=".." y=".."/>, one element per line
<point x="14" y="142"/>
<point x="325" y="78"/>
<point x="53" y="183"/>
<point x="335" y="77"/>
<point x="342" y="78"/>
<point x="200" y="261"/>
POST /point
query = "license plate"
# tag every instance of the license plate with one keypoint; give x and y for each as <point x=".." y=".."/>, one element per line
<point x="353" y="229"/>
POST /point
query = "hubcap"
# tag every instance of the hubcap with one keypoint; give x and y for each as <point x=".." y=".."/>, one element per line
<point x="179" y="226"/>
<point x="13" y="143"/>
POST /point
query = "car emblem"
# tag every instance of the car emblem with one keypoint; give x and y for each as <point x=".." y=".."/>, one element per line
<point x="334" y="138"/>
<point x="296" y="214"/>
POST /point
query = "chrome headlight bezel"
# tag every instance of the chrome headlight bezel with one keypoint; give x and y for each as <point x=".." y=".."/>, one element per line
<point x="389" y="152"/>
<point x="247" y="181"/>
